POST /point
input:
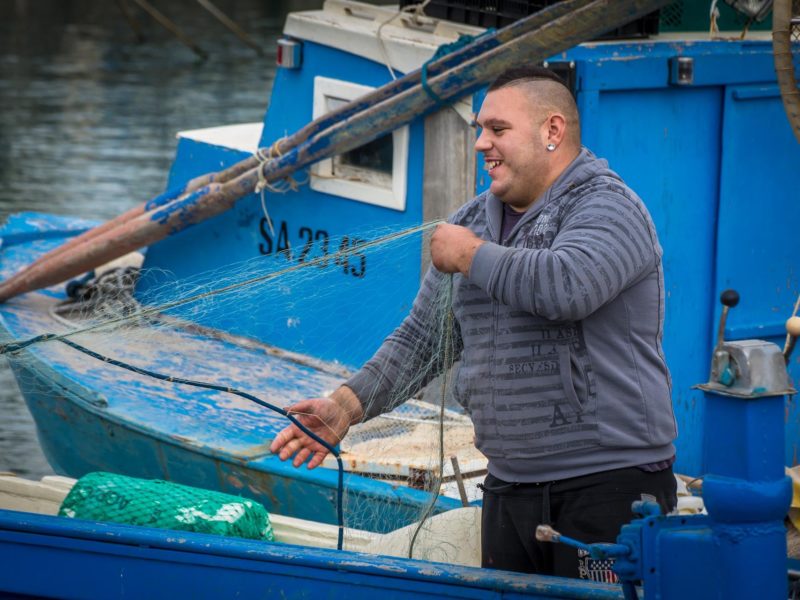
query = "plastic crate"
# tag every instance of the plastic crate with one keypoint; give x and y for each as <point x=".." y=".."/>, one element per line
<point x="499" y="13"/>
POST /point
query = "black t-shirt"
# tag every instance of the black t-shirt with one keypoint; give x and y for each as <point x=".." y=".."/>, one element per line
<point x="510" y="218"/>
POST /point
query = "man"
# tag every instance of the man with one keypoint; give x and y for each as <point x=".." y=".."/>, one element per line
<point x="558" y="300"/>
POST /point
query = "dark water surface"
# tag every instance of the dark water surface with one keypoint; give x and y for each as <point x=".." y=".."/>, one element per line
<point x="88" y="117"/>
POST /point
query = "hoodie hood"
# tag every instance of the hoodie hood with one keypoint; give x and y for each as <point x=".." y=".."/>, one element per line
<point x="585" y="167"/>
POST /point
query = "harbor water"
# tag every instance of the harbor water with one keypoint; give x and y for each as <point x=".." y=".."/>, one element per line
<point x="89" y="107"/>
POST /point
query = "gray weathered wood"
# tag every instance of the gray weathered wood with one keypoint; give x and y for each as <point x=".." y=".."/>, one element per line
<point x="449" y="172"/>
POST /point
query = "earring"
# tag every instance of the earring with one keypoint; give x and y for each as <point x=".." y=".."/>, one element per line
<point x="551" y="147"/>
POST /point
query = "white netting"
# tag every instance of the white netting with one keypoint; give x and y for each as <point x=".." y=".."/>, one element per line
<point x="164" y="331"/>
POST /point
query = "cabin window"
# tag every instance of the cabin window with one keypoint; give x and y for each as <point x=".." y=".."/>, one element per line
<point x="375" y="156"/>
<point x="374" y="173"/>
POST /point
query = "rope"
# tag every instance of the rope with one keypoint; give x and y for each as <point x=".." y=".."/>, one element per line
<point x="746" y="28"/>
<point x="713" y="15"/>
<point x="783" y="24"/>
<point x="288" y="184"/>
<point x="262" y="158"/>
<point x="416" y="11"/>
<point x="230" y="390"/>
<point x="447" y="350"/>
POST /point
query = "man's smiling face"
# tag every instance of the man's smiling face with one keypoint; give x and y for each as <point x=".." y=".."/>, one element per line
<point x="513" y="142"/>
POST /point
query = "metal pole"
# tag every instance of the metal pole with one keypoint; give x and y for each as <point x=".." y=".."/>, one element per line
<point x="230" y="24"/>
<point x="171" y="27"/>
<point x="462" y="491"/>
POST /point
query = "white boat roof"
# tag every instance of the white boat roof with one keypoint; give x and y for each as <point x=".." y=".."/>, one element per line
<point x="378" y="33"/>
<point x="244" y="136"/>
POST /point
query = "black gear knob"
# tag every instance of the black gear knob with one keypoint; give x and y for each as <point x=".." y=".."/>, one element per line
<point x="729" y="298"/>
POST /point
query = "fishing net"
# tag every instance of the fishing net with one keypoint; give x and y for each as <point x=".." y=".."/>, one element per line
<point x="191" y="370"/>
<point x="165" y="505"/>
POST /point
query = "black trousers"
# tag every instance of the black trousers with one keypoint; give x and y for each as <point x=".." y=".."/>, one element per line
<point x="591" y="508"/>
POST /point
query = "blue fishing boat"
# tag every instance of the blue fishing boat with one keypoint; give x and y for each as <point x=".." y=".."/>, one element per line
<point x="694" y="124"/>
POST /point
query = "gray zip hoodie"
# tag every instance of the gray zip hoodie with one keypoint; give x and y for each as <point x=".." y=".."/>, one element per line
<point x="559" y="334"/>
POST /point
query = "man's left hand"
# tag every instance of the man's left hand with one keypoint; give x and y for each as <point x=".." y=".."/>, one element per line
<point x="453" y="247"/>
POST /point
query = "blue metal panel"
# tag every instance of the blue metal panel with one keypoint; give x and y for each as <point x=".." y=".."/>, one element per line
<point x="755" y="447"/>
<point x="759" y="209"/>
<point x="746" y="493"/>
<point x="643" y="65"/>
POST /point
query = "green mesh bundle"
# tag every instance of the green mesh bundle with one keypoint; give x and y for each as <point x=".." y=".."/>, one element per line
<point x="165" y="505"/>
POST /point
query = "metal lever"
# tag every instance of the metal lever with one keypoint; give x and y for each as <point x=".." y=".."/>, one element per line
<point x="721" y="369"/>
<point x="792" y="333"/>
<point x="545" y="533"/>
<point x="729" y="299"/>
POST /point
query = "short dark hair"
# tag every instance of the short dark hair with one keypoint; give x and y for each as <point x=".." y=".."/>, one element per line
<point x="528" y="72"/>
<point x="545" y="94"/>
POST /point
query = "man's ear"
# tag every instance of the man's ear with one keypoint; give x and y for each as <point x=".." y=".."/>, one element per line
<point x="556" y="128"/>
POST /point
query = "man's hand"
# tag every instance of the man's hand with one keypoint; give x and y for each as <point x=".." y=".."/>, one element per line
<point x="328" y="418"/>
<point x="453" y="247"/>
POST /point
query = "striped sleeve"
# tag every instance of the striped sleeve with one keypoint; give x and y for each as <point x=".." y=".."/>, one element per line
<point x="605" y="243"/>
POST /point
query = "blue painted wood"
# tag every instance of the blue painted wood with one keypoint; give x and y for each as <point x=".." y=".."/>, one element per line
<point x="26" y="228"/>
<point x="96" y="560"/>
